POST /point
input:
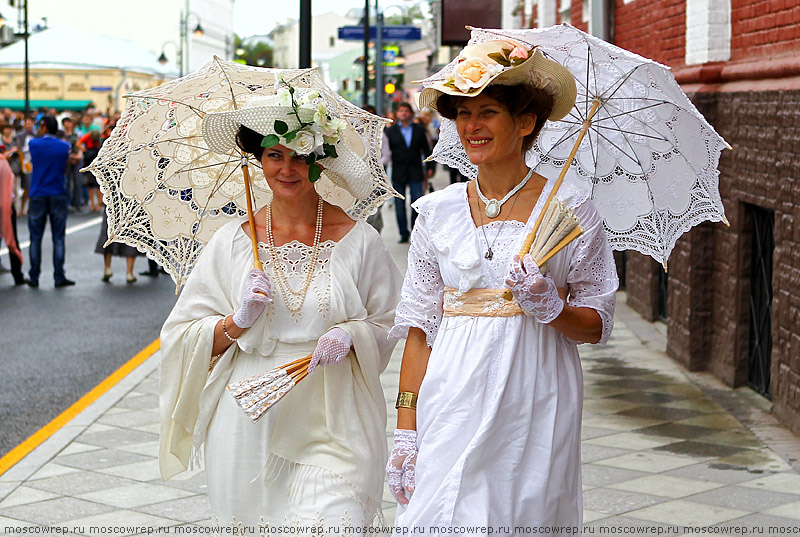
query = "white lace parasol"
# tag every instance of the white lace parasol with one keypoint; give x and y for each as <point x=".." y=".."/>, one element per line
<point x="167" y="193"/>
<point x="649" y="157"/>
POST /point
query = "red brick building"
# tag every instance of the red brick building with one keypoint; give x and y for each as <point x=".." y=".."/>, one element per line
<point x="731" y="299"/>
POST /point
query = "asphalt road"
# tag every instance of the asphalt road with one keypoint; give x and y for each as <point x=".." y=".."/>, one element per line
<point x="58" y="344"/>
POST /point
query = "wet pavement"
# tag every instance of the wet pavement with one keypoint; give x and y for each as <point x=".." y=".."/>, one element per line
<point x="665" y="451"/>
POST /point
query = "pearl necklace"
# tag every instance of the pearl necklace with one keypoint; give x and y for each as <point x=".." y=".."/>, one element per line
<point x="293" y="299"/>
<point x="492" y="205"/>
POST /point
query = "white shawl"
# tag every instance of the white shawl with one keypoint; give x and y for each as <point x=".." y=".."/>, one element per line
<point x="340" y="426"/>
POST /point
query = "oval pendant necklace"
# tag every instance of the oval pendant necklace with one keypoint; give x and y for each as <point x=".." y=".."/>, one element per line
<point x="492" y="205"/>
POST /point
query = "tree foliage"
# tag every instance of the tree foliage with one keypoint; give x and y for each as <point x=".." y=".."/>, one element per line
<point x="258" y="53"/>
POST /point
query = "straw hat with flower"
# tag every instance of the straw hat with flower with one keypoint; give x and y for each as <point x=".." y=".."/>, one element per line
<point x="503" y="62"/>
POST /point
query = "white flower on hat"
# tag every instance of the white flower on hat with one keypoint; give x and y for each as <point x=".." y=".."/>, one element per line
<point x="321" y="115"/>
<point x="473" y="73"/>
<point x="306" y="141"/>
<point x="332" y="130"/>
<point x="284" y="97"/>
<point x="309" y="97"/>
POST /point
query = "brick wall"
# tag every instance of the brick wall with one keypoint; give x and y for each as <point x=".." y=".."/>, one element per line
<point x="764" y="28"/>
<point x="710" y="272"/>
<point x="653" y="28"/>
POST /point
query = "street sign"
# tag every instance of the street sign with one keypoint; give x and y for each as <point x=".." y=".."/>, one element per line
<point x="390" y="55"/>
<point x="388" y="33"/>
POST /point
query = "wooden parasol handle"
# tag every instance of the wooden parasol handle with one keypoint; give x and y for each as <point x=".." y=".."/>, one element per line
<point x="250" y="215"/>
<point x="526" y="246"/>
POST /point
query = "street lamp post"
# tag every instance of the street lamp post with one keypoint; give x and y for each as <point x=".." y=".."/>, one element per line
<point x="198" y="31"/>
<point x="179" y="54"/>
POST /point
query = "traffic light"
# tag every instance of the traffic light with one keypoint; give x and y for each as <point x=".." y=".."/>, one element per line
<point x="389" y="88"/>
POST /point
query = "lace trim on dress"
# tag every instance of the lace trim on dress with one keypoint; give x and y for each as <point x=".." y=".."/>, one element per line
<point x="295" y="257"/>
<point x="421" y="297"/>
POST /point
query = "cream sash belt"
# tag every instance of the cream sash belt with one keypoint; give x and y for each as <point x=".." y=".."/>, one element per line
<point x="479" y="303"/>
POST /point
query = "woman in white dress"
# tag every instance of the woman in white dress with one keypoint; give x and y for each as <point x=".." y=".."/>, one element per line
<point x="494" y="439"/>
<point x="329" y="287"/>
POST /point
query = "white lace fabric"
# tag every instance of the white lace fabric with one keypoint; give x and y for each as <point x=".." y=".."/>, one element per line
<point x="536" y="293"/>
<point x="295" y="258"/>
<point x="401" y="468"/>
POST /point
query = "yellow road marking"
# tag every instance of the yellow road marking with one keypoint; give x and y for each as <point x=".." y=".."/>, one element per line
<point x="19" y="452"/>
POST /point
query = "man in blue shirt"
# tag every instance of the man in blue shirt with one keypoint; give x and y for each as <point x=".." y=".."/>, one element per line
<point x="48" y="197"/>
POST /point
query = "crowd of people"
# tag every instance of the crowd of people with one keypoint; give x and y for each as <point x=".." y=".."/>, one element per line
<point x="41" y="155"/>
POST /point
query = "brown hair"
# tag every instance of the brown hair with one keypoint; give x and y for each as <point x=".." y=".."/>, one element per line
<point x="518" y="100"/>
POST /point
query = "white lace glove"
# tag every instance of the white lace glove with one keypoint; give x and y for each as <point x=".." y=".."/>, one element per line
<point x="537" y="294"/>
<point x="256" y="294"/>
<point x="401" y="468"/>
<point x="332" y="347"/>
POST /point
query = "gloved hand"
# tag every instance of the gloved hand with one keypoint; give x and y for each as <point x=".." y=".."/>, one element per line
<point x="256" y="294"/>
<point x="536" y="294"/>
<point x="401" y="468"/>
<point x="332" y="347"/>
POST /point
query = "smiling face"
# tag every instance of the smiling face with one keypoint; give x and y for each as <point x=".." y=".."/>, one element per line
<point x="488" y="132"/>
<point x="286" y="172"/>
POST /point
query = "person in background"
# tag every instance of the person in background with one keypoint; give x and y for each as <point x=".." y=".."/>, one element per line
<point x="89" y="145"/>
<point x="115" y="249"/>
<point x="24" y="136"/>
<point x="8" y="220"/>
<point x="409" y="145"/>
<point x="74" y="177"/>
<point x="48" y="198"/>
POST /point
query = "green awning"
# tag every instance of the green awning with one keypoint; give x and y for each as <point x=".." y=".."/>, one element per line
<point x="35" y="104"/>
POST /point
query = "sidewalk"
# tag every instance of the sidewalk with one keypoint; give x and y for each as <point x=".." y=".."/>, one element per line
<point x="662" y="448"/>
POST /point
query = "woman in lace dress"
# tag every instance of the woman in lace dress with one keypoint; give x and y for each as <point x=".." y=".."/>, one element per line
<point x="495" y="437"/>
<point x="329" y="287"/>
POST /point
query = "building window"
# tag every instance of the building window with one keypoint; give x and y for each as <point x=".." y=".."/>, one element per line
<point x="564" y="9"/>
<point x="344" y="84"/>
<point x="331" y="41"/>
<point x="585" y="11"/>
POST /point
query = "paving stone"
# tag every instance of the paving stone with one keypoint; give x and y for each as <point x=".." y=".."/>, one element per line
<point x="99" y="459"/>
<point x="686" y="513"/>
<point x="130" y="418"/>
<point x="765" y="524"/>
<point x="646" y="397"/>
<point x="54" y="511"/>
<point x="594" y="432"/>
<point x="699" y="449"/>
<point x="757" y="459"/>
<point x="195" y="483"/>
<point x="615" y="502"/>
<point x="146" y="470"/>
<point x="744" y="498"/>
<point x="736" y="438"/>
<point x="118" y="437"/>
<point x="647" y="462"/>
<point x="631" y="441"/>
<point x="139" y="402"/>
<point x="603" y="476"/>
<point x="25" y="494"/>
<point x="78" y="483"/>
<point x="783" y="482"/>
<point x="591" y="452"/>
<point x="135" y="495"/>
<point x="675" y="430"/>
<point x="719" y="473"/>
<point x="190" y="509"/>
<point x="667" y="486"/>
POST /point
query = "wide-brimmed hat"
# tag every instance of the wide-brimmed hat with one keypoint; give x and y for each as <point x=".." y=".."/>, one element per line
<point x="502" y="62"/>
<point x="301" y="121"/>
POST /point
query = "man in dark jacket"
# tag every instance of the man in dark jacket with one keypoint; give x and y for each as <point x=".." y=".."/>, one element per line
<point x="410" y="147"/>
